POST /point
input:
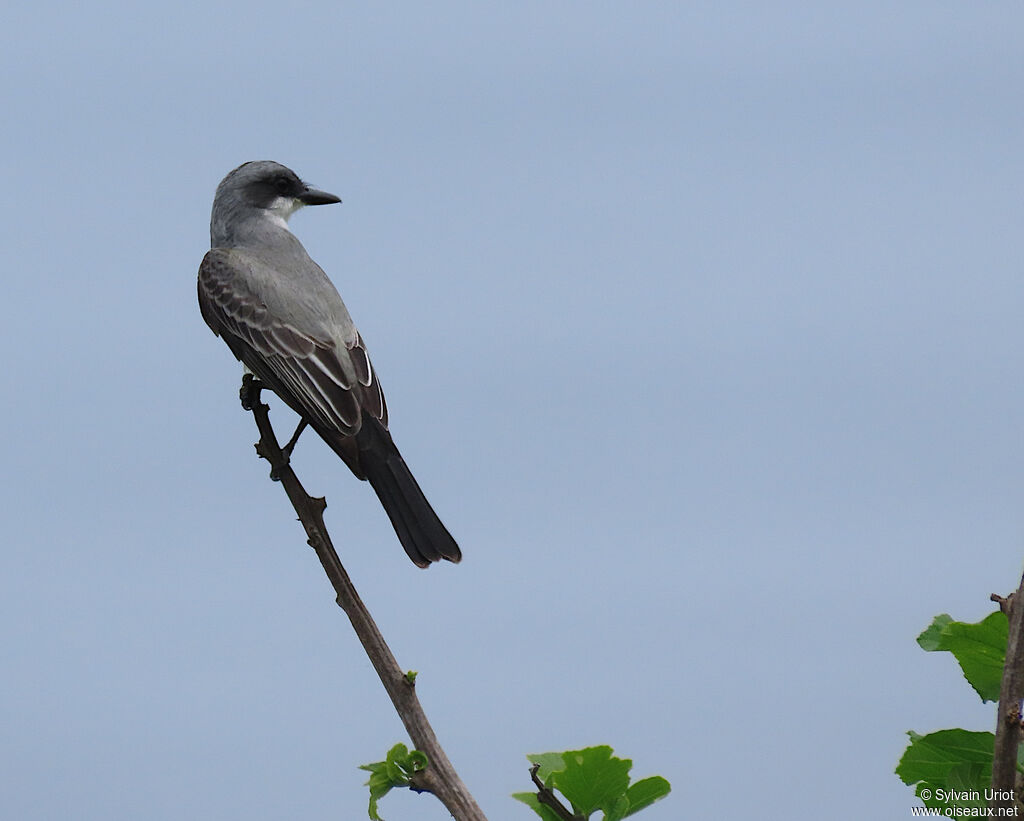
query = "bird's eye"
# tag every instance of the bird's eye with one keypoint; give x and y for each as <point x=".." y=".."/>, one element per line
<point x="283" y="185"/>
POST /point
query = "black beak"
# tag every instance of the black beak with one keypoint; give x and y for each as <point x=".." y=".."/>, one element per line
<point x="311" y="196"/>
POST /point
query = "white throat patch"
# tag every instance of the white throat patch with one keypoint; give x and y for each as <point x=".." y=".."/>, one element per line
<point x="281" y="209"/>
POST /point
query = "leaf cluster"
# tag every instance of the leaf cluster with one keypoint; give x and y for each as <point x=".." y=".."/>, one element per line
<point x="592" y="779"/>
<point x="396" y="770"/>
<point x="953" y="768"/>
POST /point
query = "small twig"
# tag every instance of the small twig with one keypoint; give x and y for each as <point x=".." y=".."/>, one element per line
<point x="440" y="777"/>
<point x="1004" y="604"/>
<point x="547" y="797"/>
<point x="1008" y="723"/>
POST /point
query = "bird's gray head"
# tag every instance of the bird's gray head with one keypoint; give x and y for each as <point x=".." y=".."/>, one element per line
<point x="255" y="198"/>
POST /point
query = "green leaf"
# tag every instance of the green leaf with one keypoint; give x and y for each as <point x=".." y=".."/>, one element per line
<point x="593" y="778"/>
<point x="980" y="649"/>
<point x="970" y="779"/>
<point x="380" y="785"/>
<point x="417" y="761"/>
<point x="931" y="758"/>
<point x="549" y="763"/>
<point x="394" y="773"/>
<point x="645" y="792"/>
<point x="930" y="639"/>
<point x="617" y="810"/>
<point x="951" y="768"/>
<point x="531" y="800"/>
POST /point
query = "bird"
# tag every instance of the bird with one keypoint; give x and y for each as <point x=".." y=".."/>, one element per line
<point x="282" y="317"/>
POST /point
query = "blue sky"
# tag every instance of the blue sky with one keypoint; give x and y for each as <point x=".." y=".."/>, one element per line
<point x="699" y="324"/>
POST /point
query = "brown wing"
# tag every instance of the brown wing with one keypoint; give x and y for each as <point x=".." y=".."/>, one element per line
<point x="330" y="385"/>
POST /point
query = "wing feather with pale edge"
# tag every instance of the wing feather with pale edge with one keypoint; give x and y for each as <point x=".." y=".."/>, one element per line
<point x="303" y="367"/>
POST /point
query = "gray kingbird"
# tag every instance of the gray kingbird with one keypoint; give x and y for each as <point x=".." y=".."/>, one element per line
<point x="283" y="318"/>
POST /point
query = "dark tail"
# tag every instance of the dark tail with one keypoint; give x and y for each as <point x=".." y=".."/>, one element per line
<point x="419" y="529"/>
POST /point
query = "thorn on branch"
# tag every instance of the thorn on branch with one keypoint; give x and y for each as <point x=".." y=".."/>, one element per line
<point x="276" y="465"/>
<point x="423" y="781"/>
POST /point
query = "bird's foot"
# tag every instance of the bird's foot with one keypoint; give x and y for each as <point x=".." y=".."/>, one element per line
<point x="249" y="393"/>
<point x="287" y="449"/>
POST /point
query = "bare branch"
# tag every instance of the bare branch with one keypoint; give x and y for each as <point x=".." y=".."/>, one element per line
<point x="1008" y="723"/>
<point x="440" y="777"/>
